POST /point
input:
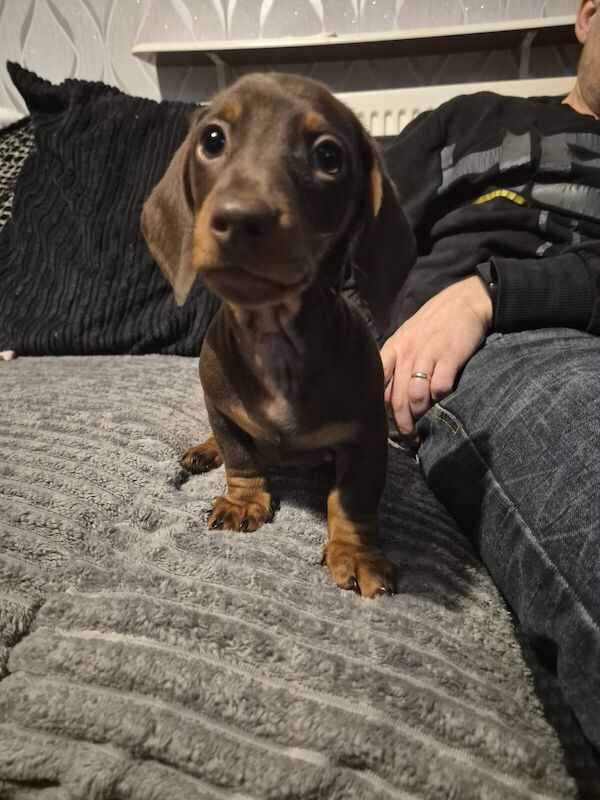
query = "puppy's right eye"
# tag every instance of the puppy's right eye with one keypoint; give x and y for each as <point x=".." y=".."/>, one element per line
<point x="213" y="141"/>
<point x="328" y="156"/>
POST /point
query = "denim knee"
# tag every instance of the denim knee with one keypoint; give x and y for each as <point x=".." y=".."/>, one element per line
<point x="513" y="453"/>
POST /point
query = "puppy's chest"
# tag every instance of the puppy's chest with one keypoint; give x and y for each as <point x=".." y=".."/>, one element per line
<point x="291" y="428"/>
<point x="278" y="411"/>
<point x="283" y="409"/>
<point x="282" y="419"/>
<point x="294" y="433"/>
<point x="278" y="367"/>
<point x="284" y="429"/>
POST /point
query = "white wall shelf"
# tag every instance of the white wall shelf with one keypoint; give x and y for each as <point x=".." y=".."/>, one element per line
<point x="388" y="44"/>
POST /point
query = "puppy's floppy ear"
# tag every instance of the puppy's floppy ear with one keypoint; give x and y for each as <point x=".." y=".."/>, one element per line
<point x="168" y="218"/>
<point x="384" y="250"/>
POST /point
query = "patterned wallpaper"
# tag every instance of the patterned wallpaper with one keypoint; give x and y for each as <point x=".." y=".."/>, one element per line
<point x="92" y="39"/>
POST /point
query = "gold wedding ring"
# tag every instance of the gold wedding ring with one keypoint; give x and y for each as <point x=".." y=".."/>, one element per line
<point x="422" y="375"/>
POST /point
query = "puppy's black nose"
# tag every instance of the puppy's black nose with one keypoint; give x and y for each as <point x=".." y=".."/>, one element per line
<point x="239" y="220"/>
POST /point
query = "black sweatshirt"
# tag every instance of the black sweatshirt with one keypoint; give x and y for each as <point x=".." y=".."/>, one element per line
<point x="512" y="181"/>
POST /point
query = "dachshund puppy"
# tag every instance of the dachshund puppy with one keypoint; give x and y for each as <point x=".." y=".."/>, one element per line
<point x="275" y="193"/>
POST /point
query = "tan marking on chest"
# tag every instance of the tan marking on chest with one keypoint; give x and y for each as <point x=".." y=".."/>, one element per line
<point x="278" y="411"/>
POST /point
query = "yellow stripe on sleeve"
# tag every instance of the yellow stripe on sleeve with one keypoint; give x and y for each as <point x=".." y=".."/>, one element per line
<point x="508" y="194"/>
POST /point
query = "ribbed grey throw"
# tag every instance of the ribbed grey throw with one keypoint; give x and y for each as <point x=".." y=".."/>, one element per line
<point x="147" y="658"/>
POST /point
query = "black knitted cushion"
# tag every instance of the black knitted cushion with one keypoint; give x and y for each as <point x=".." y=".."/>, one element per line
<point x="75" y="275"/>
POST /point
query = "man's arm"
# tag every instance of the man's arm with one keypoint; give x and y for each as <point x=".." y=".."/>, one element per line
<point x="413" y="163"/>
<point x="558" y="291"/>
<point x="552" y="292"/>
<point x="439" y="339"/>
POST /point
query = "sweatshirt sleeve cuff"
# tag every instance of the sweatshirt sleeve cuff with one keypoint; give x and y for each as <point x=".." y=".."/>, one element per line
<point x="545" y="293"/>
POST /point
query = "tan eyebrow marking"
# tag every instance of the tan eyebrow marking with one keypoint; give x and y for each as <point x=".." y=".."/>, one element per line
<point x="312" y="121"/>
<point x="231" y="110"/>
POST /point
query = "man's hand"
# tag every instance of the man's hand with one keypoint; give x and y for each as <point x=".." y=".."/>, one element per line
<point x="437" y="341"/>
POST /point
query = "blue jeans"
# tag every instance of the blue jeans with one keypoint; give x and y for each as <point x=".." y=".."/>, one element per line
<point x="514" y="454"/>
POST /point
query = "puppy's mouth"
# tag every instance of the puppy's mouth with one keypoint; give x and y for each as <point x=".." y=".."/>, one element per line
<point x="237" y="285"/>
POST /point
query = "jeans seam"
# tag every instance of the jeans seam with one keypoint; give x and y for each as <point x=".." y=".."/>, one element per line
<point x="455" y="426"/>
<point x="447" y="418"/>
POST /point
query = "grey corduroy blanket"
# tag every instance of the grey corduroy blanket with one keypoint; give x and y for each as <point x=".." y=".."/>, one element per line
<point x="147" y="658"/>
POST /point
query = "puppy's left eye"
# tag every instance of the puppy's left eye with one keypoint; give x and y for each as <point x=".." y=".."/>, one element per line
<point x="213" y="141"/>
<point x="328" y="156"/>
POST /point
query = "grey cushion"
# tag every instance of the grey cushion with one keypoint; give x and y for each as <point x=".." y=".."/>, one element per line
<point x="147" y="657"/>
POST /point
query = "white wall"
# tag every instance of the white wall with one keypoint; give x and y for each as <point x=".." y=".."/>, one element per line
<point x="92" y="39"/>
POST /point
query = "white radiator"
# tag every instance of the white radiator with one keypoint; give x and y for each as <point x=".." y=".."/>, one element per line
<point x="385" y="112"/>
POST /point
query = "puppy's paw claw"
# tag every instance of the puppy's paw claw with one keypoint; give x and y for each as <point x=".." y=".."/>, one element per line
<point x="201" y="458"/>
<point x="242" y="516"/>
<point x="364" y="570"/>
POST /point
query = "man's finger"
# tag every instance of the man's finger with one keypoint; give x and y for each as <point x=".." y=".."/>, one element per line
<point x="418" y="390"/>
<point x="388" y="360"/>
<point x="387" y="394"/>
<point x="400" y="405"/>
<point x="442" y="380"/>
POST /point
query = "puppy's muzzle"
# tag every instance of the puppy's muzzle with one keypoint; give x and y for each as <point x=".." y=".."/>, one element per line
<point x="240" y="224"/>
<point x="251" y="261"/>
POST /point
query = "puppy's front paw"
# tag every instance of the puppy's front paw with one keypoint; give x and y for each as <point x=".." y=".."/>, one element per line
<point x="363" y="569"/>
<point x="241" y="515"/>
<point x="201" y="458"/>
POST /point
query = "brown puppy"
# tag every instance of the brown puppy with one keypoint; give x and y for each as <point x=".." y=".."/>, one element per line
<point x="275" y="191"/>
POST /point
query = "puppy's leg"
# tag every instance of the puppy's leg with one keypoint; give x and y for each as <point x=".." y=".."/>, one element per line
<point x="202" y="457"/>
<point x="352" y="553"/>
<point x="247" y="504"/>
